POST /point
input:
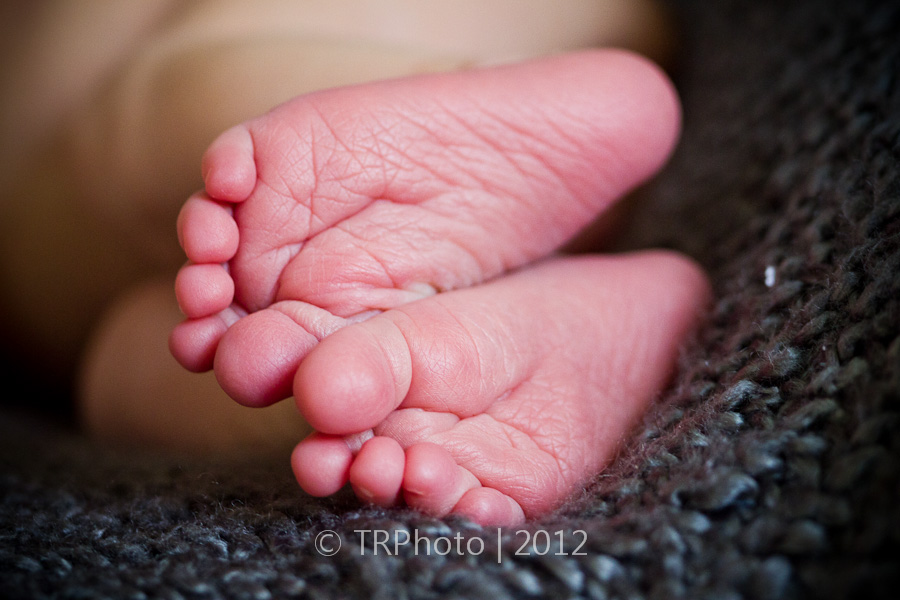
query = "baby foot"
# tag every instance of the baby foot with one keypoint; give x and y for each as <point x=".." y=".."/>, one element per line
<point x="495" y="401"/>
<point x="341" y="204"/>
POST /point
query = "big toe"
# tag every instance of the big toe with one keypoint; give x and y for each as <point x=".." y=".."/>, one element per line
<point x="354" y="378"/>
<point x="257" y="357"/>
<point x="524" y="386"/>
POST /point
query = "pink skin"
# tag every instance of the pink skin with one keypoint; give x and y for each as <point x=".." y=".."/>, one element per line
<point x="339" y="254"/>
<point x="496" y="401"/>
<point x="344" y="203"/>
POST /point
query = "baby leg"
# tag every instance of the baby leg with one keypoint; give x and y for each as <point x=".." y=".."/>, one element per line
<point x="133" y="391"/>
<point x="125" y="123"/>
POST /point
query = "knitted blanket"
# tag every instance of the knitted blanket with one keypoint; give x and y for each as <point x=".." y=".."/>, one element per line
<point x="769" y="469"/>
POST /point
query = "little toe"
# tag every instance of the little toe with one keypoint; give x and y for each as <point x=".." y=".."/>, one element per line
<point x="526" y="385"/>
<point x="377" y="471"/>
<point x="203" y="290"/>
<point x="321" y="464"/>
<point x="207" y="230"/>
<point x="489" y="507"/>
<point x="433" y="482"/>
<point x="228" y="166"/>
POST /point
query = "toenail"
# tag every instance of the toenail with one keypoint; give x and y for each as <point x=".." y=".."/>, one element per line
<point x="421" y="289"/>
<point x="363" y="316"/>
<point x="356" y="441"/>
<point x="232" y="315"/>
<point x="361" y="491"/>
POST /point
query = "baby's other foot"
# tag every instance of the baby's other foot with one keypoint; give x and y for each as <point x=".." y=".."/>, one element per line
<point x="496" y="401"/>
<point x="343" y="203"/>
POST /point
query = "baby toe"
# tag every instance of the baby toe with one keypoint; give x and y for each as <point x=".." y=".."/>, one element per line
<point x="258" y="355"/>
<point x="377" y="471"/>
<point x="193" y="343"/>
<point x="433" y="482"/>
<point x="228" y="166"/>
<point x="489" y="507"/>
<point x="354" y="378"/>
<point x="207" y="231"/>
<point x="203" y="290"/>
<point x="321" y="464"/>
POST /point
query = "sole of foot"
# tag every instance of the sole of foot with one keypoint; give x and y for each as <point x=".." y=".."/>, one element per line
<point x="344" y="203"/>
<point x="498" y="401"/>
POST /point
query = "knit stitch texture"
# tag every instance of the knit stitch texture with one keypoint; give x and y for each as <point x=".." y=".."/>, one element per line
<point x="768" y="470"/>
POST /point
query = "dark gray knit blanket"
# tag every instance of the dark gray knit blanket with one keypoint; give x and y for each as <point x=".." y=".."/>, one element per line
<point x="769" y="469"/>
